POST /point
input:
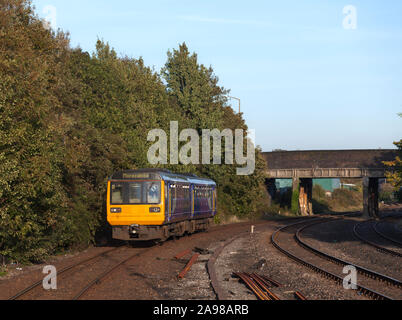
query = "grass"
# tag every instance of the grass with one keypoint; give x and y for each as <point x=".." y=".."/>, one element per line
<point x="3" y="272"/>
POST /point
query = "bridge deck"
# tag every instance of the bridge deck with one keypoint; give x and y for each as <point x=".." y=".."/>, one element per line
<point x="328" y="163"/>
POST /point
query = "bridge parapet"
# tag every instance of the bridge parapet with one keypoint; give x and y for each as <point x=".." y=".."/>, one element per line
<point x="317" y="173"/>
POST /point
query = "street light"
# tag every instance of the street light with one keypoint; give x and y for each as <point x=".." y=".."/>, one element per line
<point x="237" y="100"/>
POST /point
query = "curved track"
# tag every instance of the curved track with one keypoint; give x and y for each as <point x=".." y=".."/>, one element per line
<point x="369" y="237"/>
<point x="288" y="240"/>
<point x="385" y="236"/>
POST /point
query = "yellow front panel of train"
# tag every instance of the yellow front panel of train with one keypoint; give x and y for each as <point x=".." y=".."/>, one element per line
<point x="142" y="214"/>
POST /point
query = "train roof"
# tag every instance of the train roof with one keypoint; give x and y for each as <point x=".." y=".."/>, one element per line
<point x="162" y="174"/>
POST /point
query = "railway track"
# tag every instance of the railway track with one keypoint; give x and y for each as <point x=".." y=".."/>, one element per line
<point x="62" y="271"/>
<point x="93" y="282"/>
<point x="102" y="270"/>
<point x="106" y="273"/>
<point x="362" y="270"/>
<point x="385" y="236"/>
<point x="260" y="285"/>
<point x="315" y="259"/>
<point x="364" y="237"/>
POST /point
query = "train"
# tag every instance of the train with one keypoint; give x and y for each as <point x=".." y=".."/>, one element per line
<point x="156" y="204"/>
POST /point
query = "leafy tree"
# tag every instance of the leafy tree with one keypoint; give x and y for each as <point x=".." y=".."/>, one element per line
<point x="395" y="176"/>
<point x="194" y="88"/>
<point x="32" y="197"/>
<point x="69" y="119"/>
<point x="202" y="102"/>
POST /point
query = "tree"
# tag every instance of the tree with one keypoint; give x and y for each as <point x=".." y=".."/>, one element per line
<point x="194" y="88"/>
<point x="69" y="119"/>
<point x="33" y="199"/>
<point x="395" y="175"/>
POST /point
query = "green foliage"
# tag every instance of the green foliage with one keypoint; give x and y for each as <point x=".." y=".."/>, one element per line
<point x="394" y="176"/>
<point x="387" y="193"/>
<point x="68" y="120"/>
<point x="295" y="202"/>
<point x="340" y="200"/>
<point x="193" y="90"/>
<point x="3" y="272"/>
<point x="398" y="195"/>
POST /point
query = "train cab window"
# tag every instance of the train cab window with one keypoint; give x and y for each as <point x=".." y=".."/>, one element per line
<point x="117" y="193"/>
<point x="141" y="192"/>
<point x="134" y="193"/>
<point x="153" y="192"/>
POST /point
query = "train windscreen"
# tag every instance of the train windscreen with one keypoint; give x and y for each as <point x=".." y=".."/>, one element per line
<point x="138" y="192"/>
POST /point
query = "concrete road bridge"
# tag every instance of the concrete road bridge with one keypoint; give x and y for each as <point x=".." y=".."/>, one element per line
<point x="304" y="166"/>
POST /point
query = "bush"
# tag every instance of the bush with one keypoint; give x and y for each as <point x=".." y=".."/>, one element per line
<point x="347" y="198"/>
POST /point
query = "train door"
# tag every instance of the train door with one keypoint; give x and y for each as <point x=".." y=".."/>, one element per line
<point x="168" y="201"/>
<point x="192" y="191"/>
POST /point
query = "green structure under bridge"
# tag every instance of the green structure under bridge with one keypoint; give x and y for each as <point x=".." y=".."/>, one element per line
<point x="327" y="184"/>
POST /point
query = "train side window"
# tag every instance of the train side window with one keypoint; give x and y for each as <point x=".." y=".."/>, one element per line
<point x="209" y="192"/>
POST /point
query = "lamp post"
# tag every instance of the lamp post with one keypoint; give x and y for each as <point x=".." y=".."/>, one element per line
<point x="237" y="100"/>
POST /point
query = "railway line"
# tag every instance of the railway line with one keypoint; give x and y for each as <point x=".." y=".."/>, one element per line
<point x="366" y="233"/>
<point x="289" y="241"/>
<point x="80" y="280"/>
<point x="382" y="234"/>
<point x="38" y="283"/>
<point x="106" y="273"/>
<point x="260" y="285"/>
<point x="86" y="262"/>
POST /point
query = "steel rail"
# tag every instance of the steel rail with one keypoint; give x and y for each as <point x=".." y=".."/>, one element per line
<point x="271" y="281"/>
<point x="188" y="266"/>
<point x="371" y="243"/>
<point x="366" y="291"/>
<point x="39" y="282"/>
<point x="381" y="234"/>
<point x="99" y="279"/>
<point x="182" y="254"/>
<point x="261" y="282"/>
<point x="252" y="285"/>
<point x="362" y="270"/>
<point x="300" y="296"/>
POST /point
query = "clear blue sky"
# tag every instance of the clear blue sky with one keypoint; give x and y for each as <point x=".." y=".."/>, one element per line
<point x="305" y="82"/>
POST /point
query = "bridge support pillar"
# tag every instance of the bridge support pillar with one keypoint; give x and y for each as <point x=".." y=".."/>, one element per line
<point x="370" y="197"/>
<point x="271" y="188"/>
<point x="302" y="196"/>
<point x="306" y="197"/>
<point x="294" y="206"/>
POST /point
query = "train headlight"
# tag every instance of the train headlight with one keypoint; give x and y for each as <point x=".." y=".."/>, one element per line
<point x="154" y="210"/>
<point x="115" y="210"/>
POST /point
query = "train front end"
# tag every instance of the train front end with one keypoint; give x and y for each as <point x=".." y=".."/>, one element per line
<point x="135" y="205"/>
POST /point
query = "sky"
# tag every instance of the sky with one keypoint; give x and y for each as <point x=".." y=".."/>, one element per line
<point x="309" y="74"/>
